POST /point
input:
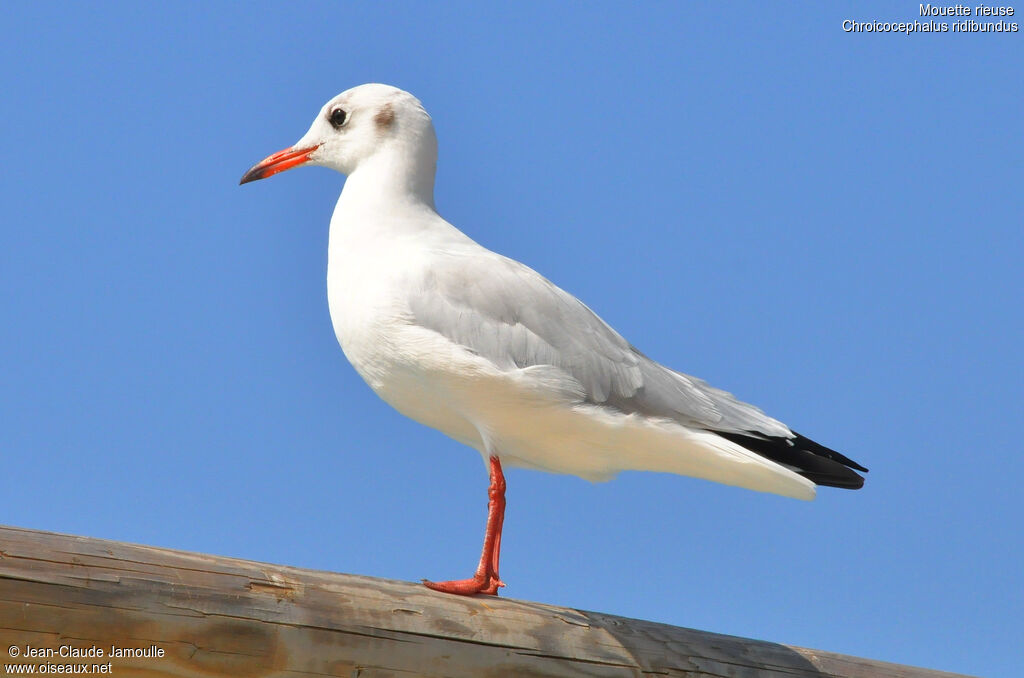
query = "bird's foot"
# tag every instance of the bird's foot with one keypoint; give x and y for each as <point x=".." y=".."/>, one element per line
<point x="467" y="587"/>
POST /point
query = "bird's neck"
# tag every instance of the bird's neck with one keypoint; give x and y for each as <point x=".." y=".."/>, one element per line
<point x="390" y="180"/>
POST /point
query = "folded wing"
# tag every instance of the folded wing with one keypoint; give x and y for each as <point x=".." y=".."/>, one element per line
<point x="514" y="317"/>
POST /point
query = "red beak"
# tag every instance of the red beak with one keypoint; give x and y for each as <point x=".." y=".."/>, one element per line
<point x="279" y="162"/>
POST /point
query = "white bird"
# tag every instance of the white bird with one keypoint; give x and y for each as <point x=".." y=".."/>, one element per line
<point x="489" y="352"/>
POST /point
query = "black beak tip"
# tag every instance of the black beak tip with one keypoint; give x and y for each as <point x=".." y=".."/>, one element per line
<point x="254" y="174"/>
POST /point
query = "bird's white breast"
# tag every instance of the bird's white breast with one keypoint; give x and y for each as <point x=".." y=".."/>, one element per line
<point x="373" y="267"/>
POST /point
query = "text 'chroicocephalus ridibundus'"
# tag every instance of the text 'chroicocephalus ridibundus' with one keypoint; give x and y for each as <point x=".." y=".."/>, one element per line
<point x="491" y="353"/>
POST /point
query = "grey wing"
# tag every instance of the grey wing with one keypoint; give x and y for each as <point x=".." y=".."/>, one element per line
<point x="514" y="317"/>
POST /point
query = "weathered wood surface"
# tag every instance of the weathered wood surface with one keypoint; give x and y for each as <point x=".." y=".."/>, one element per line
<point x="214" y="616"/>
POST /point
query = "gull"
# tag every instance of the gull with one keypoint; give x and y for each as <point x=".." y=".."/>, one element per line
<point x="491" y="353"/>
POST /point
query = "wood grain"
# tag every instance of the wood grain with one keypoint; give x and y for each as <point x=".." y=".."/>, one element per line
<point x="214" y="616"/>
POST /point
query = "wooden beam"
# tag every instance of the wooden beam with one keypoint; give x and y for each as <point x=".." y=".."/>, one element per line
<point x="210" y="616"/>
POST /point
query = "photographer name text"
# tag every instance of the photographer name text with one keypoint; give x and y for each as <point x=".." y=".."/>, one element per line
<point x="90" y="652"/>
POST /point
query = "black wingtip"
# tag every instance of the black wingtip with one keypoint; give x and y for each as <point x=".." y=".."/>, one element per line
<point x="822" y="451"/>
<point x="817" y="463"/>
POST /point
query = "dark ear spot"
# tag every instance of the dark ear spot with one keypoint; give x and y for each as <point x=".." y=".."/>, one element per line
<point x="385" y="117"/>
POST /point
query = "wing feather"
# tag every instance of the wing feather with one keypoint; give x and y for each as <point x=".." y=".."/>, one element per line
<point x="508" y="313"/>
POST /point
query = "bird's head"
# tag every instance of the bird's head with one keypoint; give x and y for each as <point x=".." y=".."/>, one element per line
<point x="357" y="125"/>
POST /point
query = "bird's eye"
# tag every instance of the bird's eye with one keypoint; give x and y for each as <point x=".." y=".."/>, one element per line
<point x="337" y="117"/>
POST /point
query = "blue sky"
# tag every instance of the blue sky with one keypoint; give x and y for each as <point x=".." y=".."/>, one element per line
<point x="828" y="225"/>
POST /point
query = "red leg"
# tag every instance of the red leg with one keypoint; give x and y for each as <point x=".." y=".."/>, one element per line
<point x="486" y="579"/>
